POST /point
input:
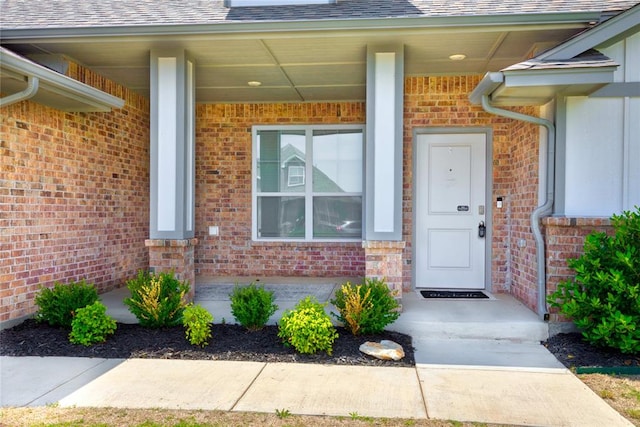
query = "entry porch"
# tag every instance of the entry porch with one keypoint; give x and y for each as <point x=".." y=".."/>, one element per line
<point x="497" y="331"/>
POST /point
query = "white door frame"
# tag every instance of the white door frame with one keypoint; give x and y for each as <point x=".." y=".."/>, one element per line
<point x="488" y="132"/>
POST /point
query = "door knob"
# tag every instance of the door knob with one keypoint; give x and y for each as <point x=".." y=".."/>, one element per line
<point x="482" y="230"/>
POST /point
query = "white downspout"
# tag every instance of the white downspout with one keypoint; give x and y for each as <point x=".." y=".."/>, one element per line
<point x="31" y="89"/>
<point x="544" y="209"/>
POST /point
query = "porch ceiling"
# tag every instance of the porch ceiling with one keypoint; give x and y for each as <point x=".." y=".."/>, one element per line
<point x="301" y="66"/>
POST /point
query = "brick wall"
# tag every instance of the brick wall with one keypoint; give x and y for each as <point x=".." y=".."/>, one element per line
<point x="74" y="196"/>
<point x="564" y="239"/>
<point x="443" y="102"/>
<point x="524" y="163"/>
<point x="223" y="195"/>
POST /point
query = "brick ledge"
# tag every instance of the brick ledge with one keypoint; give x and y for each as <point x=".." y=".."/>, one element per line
<point x="157" y="243"/>
<point x="383" y="244"/>
<point x="574" y="221"/>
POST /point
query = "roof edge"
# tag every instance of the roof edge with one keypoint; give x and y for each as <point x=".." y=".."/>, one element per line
<point x="558" y="18"/>
<point x="615" y="28"/>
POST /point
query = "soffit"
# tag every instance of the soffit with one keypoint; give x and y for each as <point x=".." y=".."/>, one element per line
<point x="300" y="67"/>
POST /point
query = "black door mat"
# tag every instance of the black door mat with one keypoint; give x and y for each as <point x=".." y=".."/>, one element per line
<point x="454" y="294"/>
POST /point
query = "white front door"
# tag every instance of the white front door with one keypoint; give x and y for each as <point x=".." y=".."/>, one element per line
<point x="450" y="211"/>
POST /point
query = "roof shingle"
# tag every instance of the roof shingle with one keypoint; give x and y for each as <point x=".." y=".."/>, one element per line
<point x="38" y="14"/>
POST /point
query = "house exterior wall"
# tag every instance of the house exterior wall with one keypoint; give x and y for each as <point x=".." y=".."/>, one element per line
<point x="599" y="141"/>
<point x="92" y="174"/>
<point x="564" y="239"/>
<point x="74" y="196"/>
<point x="443" y="102"/>
<point x="602" y="144"/>
<point x="523" y="159"/>
<point x="223" y="187"/>
<point x="223" y="195"/>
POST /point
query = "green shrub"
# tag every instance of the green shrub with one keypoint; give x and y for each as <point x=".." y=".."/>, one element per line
<point x="197" y="322"/>
<point x="252" y="306"/>
<point x="58" y="305"/>
<point x="308" y="328"/>
<point x="157" y="300"/>
<point x="366" y="308"/>
<point x="603" y="299"/>
<point x="91" y="325"/>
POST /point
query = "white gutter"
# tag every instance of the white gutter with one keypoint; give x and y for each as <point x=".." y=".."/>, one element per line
<point x="73" y="95"/>
<point x="543" y="209"/>
<point x="489" y="83"/>
<point x="31" y="89"/>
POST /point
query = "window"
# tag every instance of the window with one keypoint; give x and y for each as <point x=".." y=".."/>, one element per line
<point x="296" y="176"/>
<point x="254" y="3"/>
<point x="286" y="205"/>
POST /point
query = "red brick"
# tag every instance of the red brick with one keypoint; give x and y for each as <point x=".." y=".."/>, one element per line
<point x="61" y="159"/>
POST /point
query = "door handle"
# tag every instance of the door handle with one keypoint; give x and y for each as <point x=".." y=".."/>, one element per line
<point x="482" y="230"/>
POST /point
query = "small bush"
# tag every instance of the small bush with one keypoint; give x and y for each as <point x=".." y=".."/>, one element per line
<point x="252" y="306"/>
<point x="603" y="298"/>
<point x="366" y="308"/>
<point x="308" y="328"/>
<point x="197" y="322"/>
<point x="157" y="300"/>
<point x="91" y="325"/>
<point x="58" y="305"/>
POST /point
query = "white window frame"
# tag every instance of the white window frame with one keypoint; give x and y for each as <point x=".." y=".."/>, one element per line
<point x="308" y="193"/>
<point x="300" y="175"/>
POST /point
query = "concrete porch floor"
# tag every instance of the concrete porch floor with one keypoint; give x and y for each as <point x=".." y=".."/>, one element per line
<point x="499" y="331"/>
<point x="501" y="317"/>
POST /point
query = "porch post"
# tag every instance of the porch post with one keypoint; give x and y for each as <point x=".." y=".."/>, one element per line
<point x="171" y="242"/>
<point x="384" y="154"/>
<point x="383" y="260"/>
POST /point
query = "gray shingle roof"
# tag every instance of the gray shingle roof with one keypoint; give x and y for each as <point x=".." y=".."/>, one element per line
<point x="33" y="14"/>
<point x="589" y="59"/>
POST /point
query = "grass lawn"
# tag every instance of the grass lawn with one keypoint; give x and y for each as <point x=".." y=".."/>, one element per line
<point x="622" y="393"/>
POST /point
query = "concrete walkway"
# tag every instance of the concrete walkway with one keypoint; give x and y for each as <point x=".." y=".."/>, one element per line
<point x="487" y="380"/>
<point x="511" y="396"/>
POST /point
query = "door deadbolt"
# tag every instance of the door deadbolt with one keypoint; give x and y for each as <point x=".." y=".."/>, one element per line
<point x="482" y="230"/>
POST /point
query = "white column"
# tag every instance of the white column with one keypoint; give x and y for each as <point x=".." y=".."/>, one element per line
<point x="385" y="94"/>
<point x="172" y="153"/>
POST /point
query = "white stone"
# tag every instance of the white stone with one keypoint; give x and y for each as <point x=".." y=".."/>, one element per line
<point x="385" y="350"/>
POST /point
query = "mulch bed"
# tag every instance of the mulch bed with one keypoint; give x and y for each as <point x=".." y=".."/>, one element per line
<point x="573" y="352"/>
<point x="233" y="342"/>
<point x="229" y="342"/>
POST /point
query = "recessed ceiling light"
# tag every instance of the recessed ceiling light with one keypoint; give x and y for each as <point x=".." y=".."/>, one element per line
<point x="457" y="57"/>
<point x="254" y="83"/>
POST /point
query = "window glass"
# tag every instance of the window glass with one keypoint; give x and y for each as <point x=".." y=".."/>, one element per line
<point x="277" y="151"/>
<point x="338" y="217"/>
<point x="281" y="217"/>
<point x="337" y="161"/>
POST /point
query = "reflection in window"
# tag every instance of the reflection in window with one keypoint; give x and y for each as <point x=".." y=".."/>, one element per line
<point x="281" y="217"/>
<point x="337" y="161"/>
<point x="277" y="150"/>
<point x="333" y="158"/>
<point x="337" y="217"/>
<point x="295" y="176"/>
